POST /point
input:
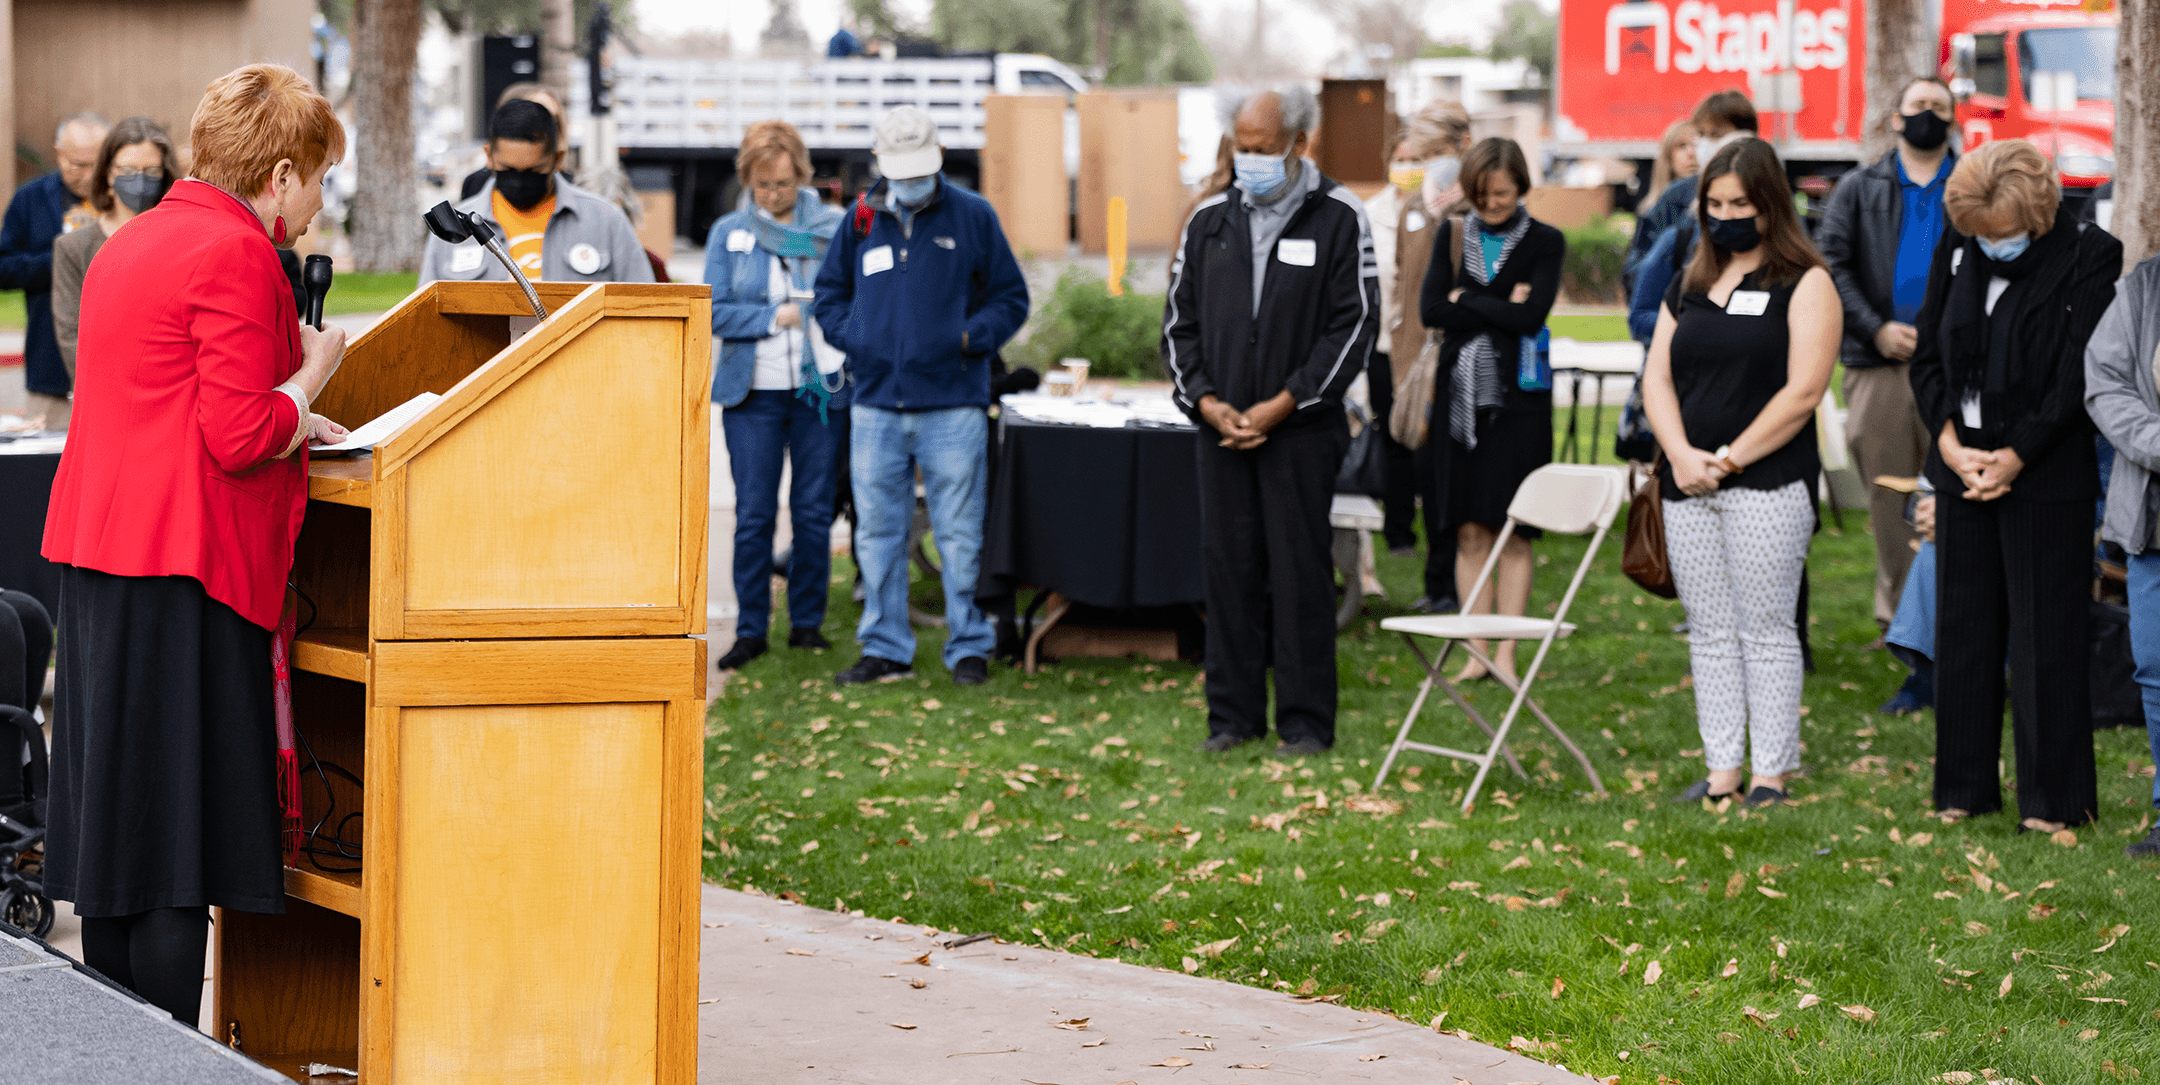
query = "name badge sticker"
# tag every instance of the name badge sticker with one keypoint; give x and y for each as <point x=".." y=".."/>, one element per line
<point x="741" y="241"/>
<point x="1748" y="303"/>
<point x="1414" y="221"/>
<point x="466" y="258"/>
<point x="1297" y="251"/>
<point x="585" y="259"/>
<point x="877" y="259"/>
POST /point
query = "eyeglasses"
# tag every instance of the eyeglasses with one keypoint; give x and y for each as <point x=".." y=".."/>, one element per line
<point x="130" y="171"/>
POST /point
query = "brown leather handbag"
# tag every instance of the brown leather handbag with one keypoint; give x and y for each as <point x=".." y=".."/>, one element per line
<point x="1642" y="555"/>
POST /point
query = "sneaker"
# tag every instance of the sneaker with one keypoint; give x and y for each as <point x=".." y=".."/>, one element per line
<point x="807" y="637"/>
<point x="1223" y="743"/>
<point x="872" y="669"/>
<point x="745" y="650"/>
<point x="972" y="671"/>
<point x="1906" y="700"/>
<point x="2148" y="848"/>
<point x="1304" y="747"/>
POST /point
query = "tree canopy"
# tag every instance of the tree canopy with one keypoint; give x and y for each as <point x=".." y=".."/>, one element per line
<point x="1141" y="41"/>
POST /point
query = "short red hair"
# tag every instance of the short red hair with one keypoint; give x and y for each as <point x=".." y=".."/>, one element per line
<point x="251" y="118"/>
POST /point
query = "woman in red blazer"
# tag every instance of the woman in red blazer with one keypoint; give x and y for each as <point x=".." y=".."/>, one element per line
<point x="174" y="514"/>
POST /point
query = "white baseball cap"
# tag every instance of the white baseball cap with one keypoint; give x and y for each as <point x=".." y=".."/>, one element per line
<point x="907" y="144"/>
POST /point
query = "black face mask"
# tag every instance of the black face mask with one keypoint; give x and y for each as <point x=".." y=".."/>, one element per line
<point x="1735" y="235"/>
<point x="1925" y="130"/>
<point x="523" y="188"/>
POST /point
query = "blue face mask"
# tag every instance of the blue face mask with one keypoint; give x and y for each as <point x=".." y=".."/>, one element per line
<point x="2002" y="252"/>
<point x="1261" y="174"/>
<point x="914" y="191"/>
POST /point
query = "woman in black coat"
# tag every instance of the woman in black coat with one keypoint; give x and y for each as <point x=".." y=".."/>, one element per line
<point x="1493" y="402"/>
<point x="2016" y="289"/>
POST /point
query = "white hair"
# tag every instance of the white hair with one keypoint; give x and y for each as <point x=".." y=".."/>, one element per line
<point x="1300" y="110"/>
<point x="89" y="119"/>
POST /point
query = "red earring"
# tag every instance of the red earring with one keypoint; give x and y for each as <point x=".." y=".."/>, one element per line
<point x="277" y="232"/>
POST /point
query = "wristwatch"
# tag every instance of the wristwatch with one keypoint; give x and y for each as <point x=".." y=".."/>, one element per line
<point x="1725" y="461"/>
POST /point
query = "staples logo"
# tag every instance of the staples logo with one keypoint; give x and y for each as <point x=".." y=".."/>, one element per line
<point x="1759" y="41"/>
<point x="1627" y="24"/>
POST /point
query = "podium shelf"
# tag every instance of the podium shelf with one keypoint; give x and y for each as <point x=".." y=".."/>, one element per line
<point x="294" y="1064"/>
<point x="338" y="892"/>
<point x="339" y="653"/>
<point x="346" y="480"/>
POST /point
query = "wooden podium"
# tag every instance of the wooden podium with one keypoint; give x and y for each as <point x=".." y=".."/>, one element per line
<point x="501" y="651"/>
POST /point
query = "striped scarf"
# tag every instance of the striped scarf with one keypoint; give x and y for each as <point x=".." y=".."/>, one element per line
<point x="1475" y="383"/>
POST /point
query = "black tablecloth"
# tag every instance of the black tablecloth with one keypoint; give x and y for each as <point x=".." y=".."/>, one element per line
<point x="1105" y="517"/>
<point x="25" y="489"/>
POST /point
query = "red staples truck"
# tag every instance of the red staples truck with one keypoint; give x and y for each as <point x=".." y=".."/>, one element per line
<point x="2037" y="69"/>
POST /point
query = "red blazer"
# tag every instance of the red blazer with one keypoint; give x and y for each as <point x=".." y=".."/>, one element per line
<point x="187" y="326"/>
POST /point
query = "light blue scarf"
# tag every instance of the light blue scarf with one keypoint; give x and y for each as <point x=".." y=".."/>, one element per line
<point x="802" y="243"/>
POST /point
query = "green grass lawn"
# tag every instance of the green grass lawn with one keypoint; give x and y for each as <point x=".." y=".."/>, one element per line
<point x="1657" y="943"/>
<point x="1588" y="326"/>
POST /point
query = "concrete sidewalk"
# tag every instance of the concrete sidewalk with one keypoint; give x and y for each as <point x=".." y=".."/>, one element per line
<point x="796" y="994"/>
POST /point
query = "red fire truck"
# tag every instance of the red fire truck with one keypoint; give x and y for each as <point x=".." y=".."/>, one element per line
<point x="2037" y="69"/>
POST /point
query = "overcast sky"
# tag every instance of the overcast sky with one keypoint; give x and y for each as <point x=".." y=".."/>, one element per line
<point x="1296" y="25"/>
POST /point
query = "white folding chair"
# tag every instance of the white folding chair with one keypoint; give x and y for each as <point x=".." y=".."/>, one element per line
<point x="1565" y="499"/>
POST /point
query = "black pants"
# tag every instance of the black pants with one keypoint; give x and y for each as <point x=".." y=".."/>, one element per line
<point x="1398" y="503"/>
<point x="2012" y="580"/>
<point x="1431" y="475"/>
<point x="1270" y="583"/>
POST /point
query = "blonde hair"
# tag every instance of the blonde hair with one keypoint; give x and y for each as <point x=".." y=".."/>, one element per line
<point x="2003" y="175"/>
<point x="252" y="118"/>
<point x="1677" y="134"/>
<point x="772" y="139"/>
<point x="1438" y="128"/>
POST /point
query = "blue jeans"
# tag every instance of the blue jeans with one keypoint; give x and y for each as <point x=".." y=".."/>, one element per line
<point x="951" y="447"/>
<point x="764" y="431"/>
<point x="2144" y="603"/>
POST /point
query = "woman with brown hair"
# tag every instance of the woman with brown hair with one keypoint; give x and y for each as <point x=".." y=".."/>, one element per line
<point x="135" y="167"/>
<point x="1742" y="354"/>
<point x="1491" y="422"/>
<point x="173" y="520"/>
<point x="2017" y="286"/>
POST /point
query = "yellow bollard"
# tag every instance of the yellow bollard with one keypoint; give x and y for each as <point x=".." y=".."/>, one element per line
<point x="1117" y="246"/>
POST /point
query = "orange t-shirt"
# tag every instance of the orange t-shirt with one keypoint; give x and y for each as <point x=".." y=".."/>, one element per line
<point x="523" y="232"/>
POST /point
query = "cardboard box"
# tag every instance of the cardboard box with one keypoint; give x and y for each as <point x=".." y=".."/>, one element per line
<point x="1129" y="148"/>
<point x="1023" y="170"/>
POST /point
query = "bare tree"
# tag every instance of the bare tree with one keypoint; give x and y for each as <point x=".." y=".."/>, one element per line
<point x="1397" y="24"/>
<point x="2137" y="134"/>
<point x="784" y="35"/>
<point x="386" y="47"/>
<point x="1241" y="49"/>
<point x="1897" y="45"/>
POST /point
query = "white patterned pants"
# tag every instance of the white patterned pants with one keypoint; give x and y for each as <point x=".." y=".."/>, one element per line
<point x="1737" y="555"/>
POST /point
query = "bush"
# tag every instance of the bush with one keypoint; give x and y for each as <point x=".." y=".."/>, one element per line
<point x="1594" y="254"/>
<point x="1120" y="337"/>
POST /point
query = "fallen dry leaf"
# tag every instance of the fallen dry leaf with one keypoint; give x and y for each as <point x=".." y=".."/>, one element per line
<point x="1860" y="1013"/>
<point x="1653" y="972"/>
<point x="922" y="960"/>
<point x="2089" y="1035"/>
<point x="1516" y="863"/>
<point x="1769" y="892"/>
<point x="2008" y="979"/>
<point x="1558" y="985"/>
<point x="1731" y="969"/>
<point x="1077" y="1024"/>
<point x="1173" y="1060"/>
<point x="2065" y="837"/>
<point x="1205" y="1045"/>
<point x="1370" y="1058"/>
<point x="1919" y="840"/>
<point x="1375" y="930"/>
<point x="802" y="953"/>
<point x="918" y="983"/>
<point x="1190" y="965"/>
<point x="1250" y="1065"/>
<point x="707" y="1001"/>
<point x="2039" y="912"/>
<point x="1734" y="884"/>
<point x="901" y="1025"/>
<point x="1096" y="1043"/>
<point x="1809" y="999"/>
<point x="1728" y="1037"/>
<point x="1954" y="1077"/>
<point x="1215" y="949"/>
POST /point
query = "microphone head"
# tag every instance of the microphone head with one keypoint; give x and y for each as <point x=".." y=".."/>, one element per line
<point x="316" y="275"/>
<point x="446" y="222"/>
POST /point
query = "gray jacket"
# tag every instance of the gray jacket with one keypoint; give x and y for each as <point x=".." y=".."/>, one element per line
<point x="589" y="240"/>
<point x="2120" y="395"/>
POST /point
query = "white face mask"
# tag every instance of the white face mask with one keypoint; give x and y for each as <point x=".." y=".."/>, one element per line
<point x="1441" y="174"/>
<point x="1705" y="147"/>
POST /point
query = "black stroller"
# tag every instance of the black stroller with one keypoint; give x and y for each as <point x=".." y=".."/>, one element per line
<point x="23" y="903"/>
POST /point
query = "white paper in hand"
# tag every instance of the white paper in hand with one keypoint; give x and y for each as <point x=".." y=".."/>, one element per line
<point x="379" y="430"/>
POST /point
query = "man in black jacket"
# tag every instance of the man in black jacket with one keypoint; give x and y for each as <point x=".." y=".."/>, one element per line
<point x="1878" y="235"/>
<point x="1274" y="304"/>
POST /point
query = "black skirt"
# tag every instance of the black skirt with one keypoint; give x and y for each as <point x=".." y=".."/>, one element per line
<point x="164" y="791"/>
<point x="1481" y="482"/>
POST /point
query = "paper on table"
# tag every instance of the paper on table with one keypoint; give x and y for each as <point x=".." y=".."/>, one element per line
<point x="379" y="430"/>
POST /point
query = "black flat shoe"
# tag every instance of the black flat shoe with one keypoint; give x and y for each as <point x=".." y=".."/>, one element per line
<point x="745" y="650"/>
<point x="1766" y="796"/>
<point x="1700" y="790"/>
<point x="1304" y="747"/>
<point x="1222" y="743"/>
<point x="807" y="637"/>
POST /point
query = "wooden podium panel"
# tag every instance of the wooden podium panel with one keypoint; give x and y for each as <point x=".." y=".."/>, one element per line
<point x="498" y="608"/>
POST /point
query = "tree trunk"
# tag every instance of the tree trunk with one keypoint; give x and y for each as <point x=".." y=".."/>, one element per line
<point x="558" y="48"/>
<point x="1897" y="50"/>
<point x="2137" y="134"/>
<point x="386" y="46"/>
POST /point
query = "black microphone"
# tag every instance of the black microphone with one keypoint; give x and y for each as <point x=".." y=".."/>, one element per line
<point x="316" y="278"/>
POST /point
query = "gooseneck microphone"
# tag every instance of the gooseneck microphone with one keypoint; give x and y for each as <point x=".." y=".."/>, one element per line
<point x="315" y="277"/>
<point x="456" y="227"/>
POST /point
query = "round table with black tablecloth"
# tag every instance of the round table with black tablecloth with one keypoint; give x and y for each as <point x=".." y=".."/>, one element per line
<point x="26" y="483"/>
<point x="1107" y="518"/>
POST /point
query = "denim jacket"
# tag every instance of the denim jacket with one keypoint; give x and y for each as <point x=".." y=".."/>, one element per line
<point x="742" y="300"/>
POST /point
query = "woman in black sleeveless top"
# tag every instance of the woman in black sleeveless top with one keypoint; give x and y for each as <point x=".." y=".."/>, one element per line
<point x="1742" y="354"/>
